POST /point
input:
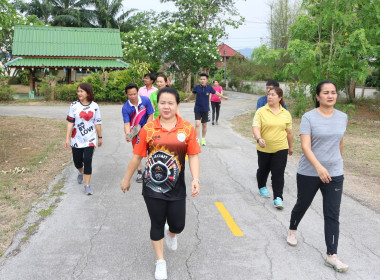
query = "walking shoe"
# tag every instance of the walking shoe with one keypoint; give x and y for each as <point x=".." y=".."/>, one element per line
<point x="264" y="192"/>
<point x="212" y="123"/>
<point x="171" y="242"/>
<point x="139" y="178"/>
<point x="160" y="273"/>
<point x="203" y="142"/>
<point x="292" y="237"/>
<point x="88" y="190"/>
<point x="333" y="262"/>
<point x="278" y="203"/>
<point x="80" y="178"/>
<point x="216" y="122"/>
<point x="134" y="132"/>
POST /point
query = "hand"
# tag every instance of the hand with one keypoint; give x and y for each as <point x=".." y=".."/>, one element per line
<point x="290" y="151"/>
<point x="262" y="143"/>
<point x="67" y="143"/>
<point x="324" y="174"/>
<point x="125" y="185"/>
<point x="195" y="188"/>
<point x="126" y="138"/>
<point x="186" y="100"/>
<point x="225" y="97"/>
<point x="100" y="142"/>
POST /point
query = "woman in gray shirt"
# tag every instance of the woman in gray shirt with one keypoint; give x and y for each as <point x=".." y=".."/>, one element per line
<point x="321" y="167"/>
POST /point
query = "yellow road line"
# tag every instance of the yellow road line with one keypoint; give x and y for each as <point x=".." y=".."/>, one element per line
<point x="229" y="220"/>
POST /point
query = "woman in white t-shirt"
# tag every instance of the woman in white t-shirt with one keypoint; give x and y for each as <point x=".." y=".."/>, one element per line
<point x="321" y="168"/>
<point x="84" y="133"/>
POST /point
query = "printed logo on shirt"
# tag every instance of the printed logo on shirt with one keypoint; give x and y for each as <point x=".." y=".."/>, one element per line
<point x="181" y="137"/>
<point x="86" y="116"/>
<point x="138" y="140"/>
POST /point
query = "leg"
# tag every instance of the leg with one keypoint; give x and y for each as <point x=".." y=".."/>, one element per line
<point x="277" y="168"/>
<point x="204" y="129"/>
<point x="307" y="187"/>
<point x="264" y="168"/>
<point x="78" y="158"/>
<point x="213" y="105"/>
<point x="217" y="107"/>
<point x="157" y="209"/>
<point x="87" y="160"/>
<point x="176" y="213"/>
<point x="332" y="196"/>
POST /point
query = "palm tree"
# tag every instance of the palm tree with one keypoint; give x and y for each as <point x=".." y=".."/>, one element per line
<point x="41" y="8"/>
<point x="107" y="11"/>
<point x="72" y="13"/>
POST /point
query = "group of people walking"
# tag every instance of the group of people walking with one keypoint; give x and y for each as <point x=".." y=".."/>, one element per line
<point x="152" y="123"/>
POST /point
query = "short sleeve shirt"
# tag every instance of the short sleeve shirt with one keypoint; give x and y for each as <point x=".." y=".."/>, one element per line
<point x="273" y="128"/>
<point x="143" y="91"/>
<point x="214" y="97"/>
<point x="263" y="100"/>
<point x="153" y="99"/>
<point x="164" y="175"/>
<point x="202" y="102"/>
<point x="326" y="134"/>
<point x="84" y="118"/>
<point x="137" y="114"/>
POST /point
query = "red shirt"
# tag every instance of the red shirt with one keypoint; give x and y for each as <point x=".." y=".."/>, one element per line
<point x="165" y="166"/>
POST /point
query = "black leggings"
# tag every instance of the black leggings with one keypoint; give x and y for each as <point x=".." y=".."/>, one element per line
<point x="274" y="163"/>
<point x="83" y="156"/>
<point x="307" y="187"/>
<point x="215" y="105"/>
<point x="161" y="210"/>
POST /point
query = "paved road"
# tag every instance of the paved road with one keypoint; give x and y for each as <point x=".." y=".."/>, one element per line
<point x="106" y="236"/>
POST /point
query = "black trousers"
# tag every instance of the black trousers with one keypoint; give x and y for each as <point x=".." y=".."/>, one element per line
<point x="274" y="163"/>
<point x="83" y="157"/>
<point x="215" y="107"/>
<point x="307" y="187"/>
<point x="160" y="211"/>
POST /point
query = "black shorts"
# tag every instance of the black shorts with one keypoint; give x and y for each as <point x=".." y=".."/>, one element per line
<point x="204" y="117"/>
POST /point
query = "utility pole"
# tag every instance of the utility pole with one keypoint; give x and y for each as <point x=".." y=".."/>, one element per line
<point x="225" y="66"/>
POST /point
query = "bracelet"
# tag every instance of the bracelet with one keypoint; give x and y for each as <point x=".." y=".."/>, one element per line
<point x="196" y="179"/>
<point x="100" y="137"/>
<point x="258" y="139"/>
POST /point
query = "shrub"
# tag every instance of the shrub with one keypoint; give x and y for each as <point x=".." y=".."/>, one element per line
<point x="64" y="92"/>
<point x="246" y="88"/>
<point x="182" y="96"/>
<point x="298" y="93"/>
<point x="6" y="92"/>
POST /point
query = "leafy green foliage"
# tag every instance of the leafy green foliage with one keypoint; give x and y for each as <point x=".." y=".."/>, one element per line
<point x="298" y="92"/>
<point x="5" y="92"/>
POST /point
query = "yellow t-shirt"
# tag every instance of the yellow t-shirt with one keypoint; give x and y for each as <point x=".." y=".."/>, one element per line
<point x="273" y="128"/>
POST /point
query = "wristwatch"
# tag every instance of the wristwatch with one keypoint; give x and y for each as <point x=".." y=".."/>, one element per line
<point x="257" y="140"/>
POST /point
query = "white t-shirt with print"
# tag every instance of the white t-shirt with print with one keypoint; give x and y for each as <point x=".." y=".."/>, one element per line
<point x="84" y="117"/>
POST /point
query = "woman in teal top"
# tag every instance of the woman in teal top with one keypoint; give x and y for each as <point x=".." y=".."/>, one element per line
<point x="161" y="82"/>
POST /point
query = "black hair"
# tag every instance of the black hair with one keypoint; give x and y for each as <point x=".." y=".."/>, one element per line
<point x="151" y="76"/>
<point x="168" y="90"/>
<point x="131" y="86"/>
<point x="280" y="93"/>
<point x="164" y="77"/>
<point x="204" y="75"/>
<point x="273" y="83"/>
<point x="215" y="81"/>
<point x="318" y="90"/>
<point x="88" y="89"/>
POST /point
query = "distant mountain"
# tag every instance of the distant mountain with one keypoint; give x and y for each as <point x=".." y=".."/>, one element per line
<point x="246" y="52"/>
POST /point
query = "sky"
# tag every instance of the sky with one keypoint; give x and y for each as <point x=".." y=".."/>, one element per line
<point x="251" y="34"/>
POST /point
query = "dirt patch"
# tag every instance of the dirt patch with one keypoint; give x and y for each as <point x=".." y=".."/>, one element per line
<point x="361" y="152"/>
<point x="31" y="155"/>
<point x="20" y="88"/>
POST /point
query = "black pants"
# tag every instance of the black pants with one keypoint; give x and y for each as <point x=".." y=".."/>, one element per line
<point x="215" y="107"/>
<point x="83" y="157"/>
<point x="307" y="187"/>
<point x="274" y="163"/>
<point x="161" y="211"/>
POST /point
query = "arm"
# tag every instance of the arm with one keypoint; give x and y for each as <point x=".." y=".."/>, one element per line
<point x="189" y="97"/>
<point x="69" y="130"/>
<point x="135" y="161"/>
<point x="98" y="128"/>
<point x="290" y="136"/>
<point x="194" y="169"/>
<point x="257" y="135"/>
<point x="150" y="118"/>
<point x="341" y="147"/>
<point x="306" y="149"/>
<point x="127" y="130"/>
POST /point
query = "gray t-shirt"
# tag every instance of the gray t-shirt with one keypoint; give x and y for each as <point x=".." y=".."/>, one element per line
<point x="326" y="134"/>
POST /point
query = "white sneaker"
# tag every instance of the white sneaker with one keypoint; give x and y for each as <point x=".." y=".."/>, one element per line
<point x="333" y="262"/>
<point x="160" y="273"/>
<point x="292" y="237"/>
<point x="171" y="242"/>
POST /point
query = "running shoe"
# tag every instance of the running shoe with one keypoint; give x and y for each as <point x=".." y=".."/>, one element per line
<point x="80" y="178"/>
<point x="203" y="142"/>
<point x="139" y="178"/>
<point x="212" y="123"/>
<point x="160" y="273"/>
<point x="264" y="192"/>
<point x="278" y="203"/>
<point x="88" y="190"/>
<point x="216" y="123"/>
<point x="292" y="237"/>
<point x="134" y="132"/>
<point x="333" y="262"/>
<point x="171" y="242"/>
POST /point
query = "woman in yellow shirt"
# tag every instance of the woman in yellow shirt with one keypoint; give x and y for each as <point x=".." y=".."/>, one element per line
<point x="272" y="129"/>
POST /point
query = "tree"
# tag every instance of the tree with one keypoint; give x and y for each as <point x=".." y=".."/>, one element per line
<point x="42" y="9"/>
<point x="282" y="17"/>
<point x="71" y="13"/>
<point x="110" y="13"/>
<point x="332" y="41"/>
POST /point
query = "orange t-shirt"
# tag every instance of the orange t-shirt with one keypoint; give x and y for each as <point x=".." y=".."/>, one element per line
<point x="165" y="166"/>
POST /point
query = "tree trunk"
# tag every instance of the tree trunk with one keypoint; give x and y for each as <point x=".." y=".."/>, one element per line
<point x="188" y="83"/>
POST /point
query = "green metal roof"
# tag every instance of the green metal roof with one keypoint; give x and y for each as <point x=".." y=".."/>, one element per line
<point x="67" y="62"/>
<point x="66" y="41"/>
